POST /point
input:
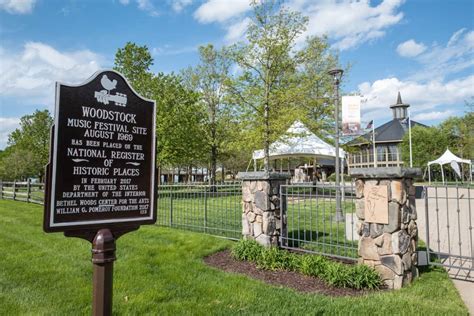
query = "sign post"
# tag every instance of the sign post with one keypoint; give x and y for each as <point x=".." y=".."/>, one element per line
<point x="101" y="173"/>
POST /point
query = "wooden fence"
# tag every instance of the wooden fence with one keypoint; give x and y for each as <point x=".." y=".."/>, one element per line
<point x="22" y="191"/>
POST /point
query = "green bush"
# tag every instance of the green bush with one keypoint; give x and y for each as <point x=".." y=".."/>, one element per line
<point x="332" y="272"/>
<point x="313" y="265"/>
<point x="271" y="259"/>
<point x="364" y="277"/>
<point x="338" y="274"/>
<point x="247" y="250"/>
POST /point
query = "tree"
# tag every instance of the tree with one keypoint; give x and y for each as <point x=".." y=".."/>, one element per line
<point x="134" y="63"/>
<point x="314" y="85"/>
<point x="209" y="80"/>
<point x="428" y="143"/>
<point x="278" y="82"/>
<point x="18" y="164"/>
<point x="179" y="118"/>
<point x="179" y="122"/>
<point x="461" y="132"/>
<point x="28" y="150"/>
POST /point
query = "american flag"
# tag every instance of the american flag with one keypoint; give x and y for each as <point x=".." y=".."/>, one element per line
<point x="370" y="124"/>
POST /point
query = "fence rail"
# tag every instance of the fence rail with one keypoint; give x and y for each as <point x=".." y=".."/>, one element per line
<point x="213" y="209"/>
<point x="311" y="225"/>
<point x="25" y="191"/>
<point x="448" y="226"/>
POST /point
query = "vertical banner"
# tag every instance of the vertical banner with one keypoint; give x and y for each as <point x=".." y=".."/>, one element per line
<point x="350" y="115"/>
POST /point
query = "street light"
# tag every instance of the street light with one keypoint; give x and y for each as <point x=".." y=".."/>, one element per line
<point x="336" y="73"/>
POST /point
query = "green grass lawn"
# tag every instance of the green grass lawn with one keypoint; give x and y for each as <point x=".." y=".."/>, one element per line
<point x="160" y="271"/>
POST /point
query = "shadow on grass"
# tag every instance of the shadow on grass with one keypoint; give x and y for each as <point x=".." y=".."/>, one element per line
<point x="297" y="237"/>
<point x="456" y="268"/>
<point x="321" y="242"/>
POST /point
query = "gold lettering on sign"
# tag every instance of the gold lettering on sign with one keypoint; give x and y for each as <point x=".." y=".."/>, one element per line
<point x="376" y="204"/>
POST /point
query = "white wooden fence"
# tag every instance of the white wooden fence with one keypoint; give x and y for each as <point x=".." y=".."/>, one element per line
<point x="25" y="191"/>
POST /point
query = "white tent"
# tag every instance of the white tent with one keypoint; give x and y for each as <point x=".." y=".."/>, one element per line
<point x="299" y="141"/>
<point x="448" y="158"/>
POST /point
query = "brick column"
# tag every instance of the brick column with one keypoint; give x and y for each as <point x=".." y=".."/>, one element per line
<point x="388" y="246"/>
<point x="261" y="206"/>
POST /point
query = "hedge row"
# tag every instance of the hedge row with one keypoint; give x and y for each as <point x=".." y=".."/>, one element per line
<point x="332" y="272"/>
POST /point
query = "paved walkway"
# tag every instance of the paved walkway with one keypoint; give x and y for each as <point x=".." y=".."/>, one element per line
<point x="450" y="219"/>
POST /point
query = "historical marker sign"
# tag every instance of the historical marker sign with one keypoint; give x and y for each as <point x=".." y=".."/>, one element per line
<point x="376" y="203"/>
<point x="102" y="166"/>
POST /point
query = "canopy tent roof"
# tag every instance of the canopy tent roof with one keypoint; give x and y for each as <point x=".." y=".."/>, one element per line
<point x="448" y="157"/>
<point x="299" y="141"/>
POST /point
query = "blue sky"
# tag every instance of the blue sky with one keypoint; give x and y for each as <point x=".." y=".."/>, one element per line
<point x="423" y="48"/>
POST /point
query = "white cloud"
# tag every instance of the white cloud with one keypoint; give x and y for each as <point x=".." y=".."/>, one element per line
<point x="434" y="115"/>
<point x="442" y="60"/>
<point x="410" y="48"/>
<point x="429" y="89"/>
<point x="220" y="10"/>
<point x="423" y="97"/>
<point x="148" y="6"/>
<point x="236" y="31"/>
<point x="7" y="125"/>
<point x="30" y="75"/>
<point x="17" y="6"/>
<point x="144" y="5"/>
<point x="170" y="50"/>
<point x="349" y="23"/>
<point x="179" y="5"/>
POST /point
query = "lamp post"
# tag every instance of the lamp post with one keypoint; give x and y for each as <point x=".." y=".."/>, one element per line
<point x="336" y="73"/>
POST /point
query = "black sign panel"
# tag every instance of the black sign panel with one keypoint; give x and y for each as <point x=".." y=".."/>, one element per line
<point x="102" y="166"/>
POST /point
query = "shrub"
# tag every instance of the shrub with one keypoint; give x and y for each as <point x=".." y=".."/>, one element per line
<point x="313" y="265"/>
<point x="334" y="273"/>
<point x="364" y="277"/>
<point x="337" y="274"/>
<point x="271" y="259"/>
<point x="248" y="250"/>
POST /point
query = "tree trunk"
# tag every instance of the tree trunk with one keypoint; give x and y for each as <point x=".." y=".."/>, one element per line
<point x="158" y="171"/>
<point x="223" y="173"/>
<point x="213" y="164"/>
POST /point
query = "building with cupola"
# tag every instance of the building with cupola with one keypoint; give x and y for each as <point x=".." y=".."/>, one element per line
<point x="388" y="138"/>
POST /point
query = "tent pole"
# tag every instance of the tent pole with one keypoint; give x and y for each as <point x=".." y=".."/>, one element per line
<point x="470" y="171"/>
<point x="429" y="175"/>
<point x="442" y="173"/>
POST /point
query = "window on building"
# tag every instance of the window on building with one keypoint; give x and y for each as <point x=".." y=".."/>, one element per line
<point x="381" y="153"/>
<point x="392" y="152"/>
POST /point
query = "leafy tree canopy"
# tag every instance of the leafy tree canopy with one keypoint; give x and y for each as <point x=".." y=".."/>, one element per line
<point x="28" y="147"/>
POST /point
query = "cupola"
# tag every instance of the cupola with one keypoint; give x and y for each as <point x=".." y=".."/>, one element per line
<point x="399" y="109"/>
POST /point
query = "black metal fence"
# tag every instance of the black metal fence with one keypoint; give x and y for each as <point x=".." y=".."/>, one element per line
<point x="213" y="209"/>
<point x="311" y="224"/>
<point x="447" y="227"/>
<point x="445" y="217"/>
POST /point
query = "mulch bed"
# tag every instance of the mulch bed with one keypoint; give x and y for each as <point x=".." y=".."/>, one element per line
<point x="299" y="282"/>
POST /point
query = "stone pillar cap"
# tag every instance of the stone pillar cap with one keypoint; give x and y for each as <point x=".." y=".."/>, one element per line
<point x="385" y="172"/>
<point x="263" y="175"/>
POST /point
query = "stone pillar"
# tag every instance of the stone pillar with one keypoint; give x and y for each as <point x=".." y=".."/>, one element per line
<point x="261" y="206"/>
<point x="387" y="224"/>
